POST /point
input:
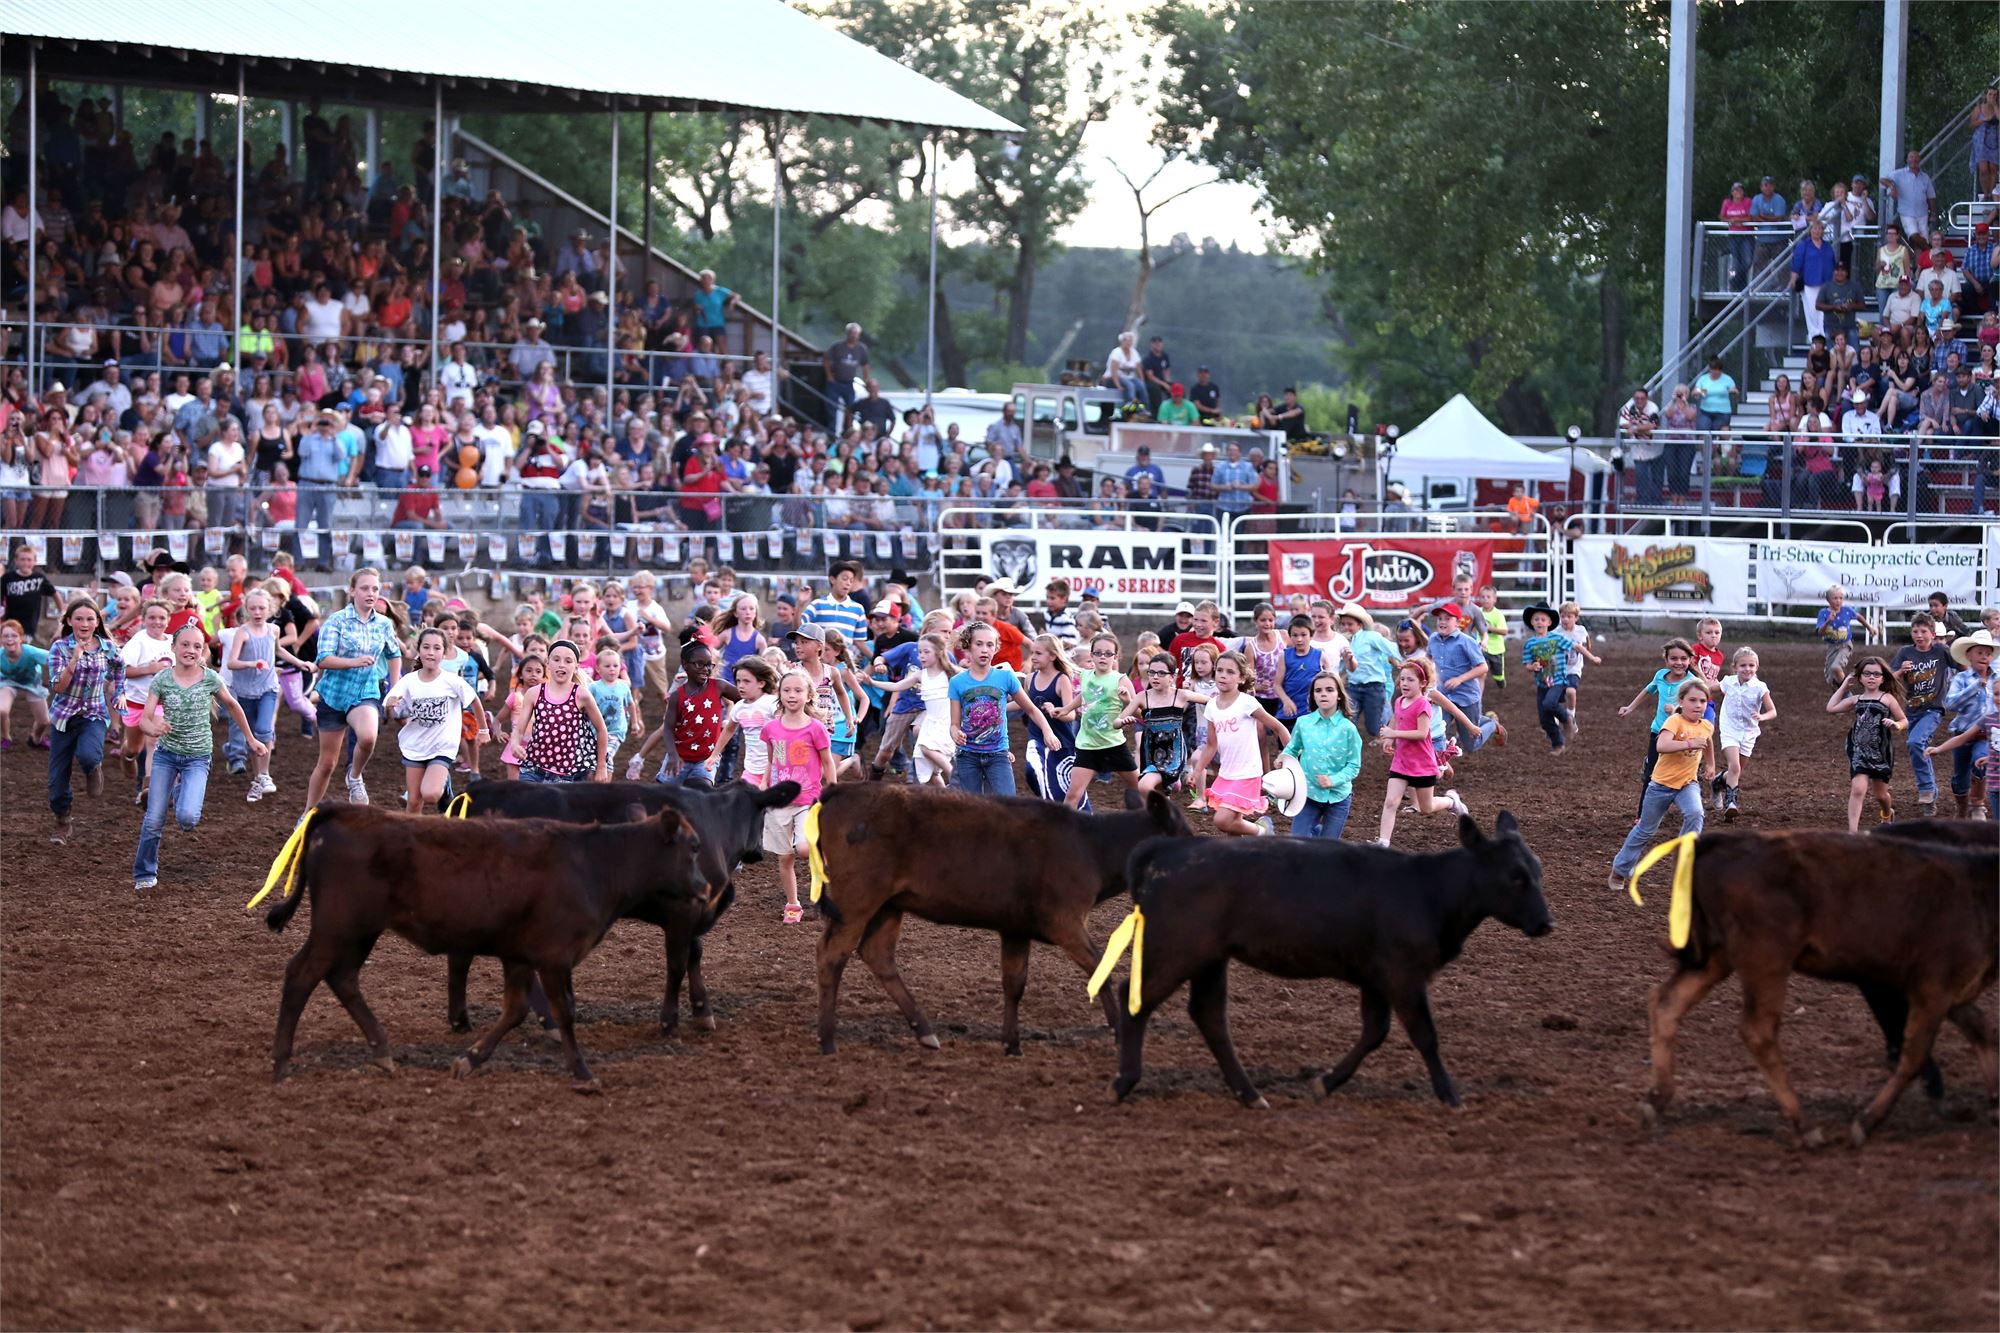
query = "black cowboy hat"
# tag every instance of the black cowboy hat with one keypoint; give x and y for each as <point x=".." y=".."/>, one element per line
<point x="151" y="564"/>
<point x="1545" y="609"/>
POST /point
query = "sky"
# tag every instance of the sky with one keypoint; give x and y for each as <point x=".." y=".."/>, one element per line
<point x="1228" y="212"/>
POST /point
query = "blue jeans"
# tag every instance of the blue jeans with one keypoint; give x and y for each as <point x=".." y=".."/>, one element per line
<point x="1651" y="811"/>
<point x="840" y="393"/>
<point x="675" y="771"/>
<point x="529" y="773"/>
<point x="541" y="511"/>
<point x="1962" y="760"/>
<point x="262" y="710"/>
<point x="984" y="774"/>
<point x="82" y="741"/>
<point x="1549" y="711"/>
<point x="179" y="780"/>
<point x="1322" y="819"/>
<point x="394" y="479"/>
<point x="1370" y="702"/>
<point x="1921" y="727"/>
<point x="1651" y="474"/>
<point x="1469" y="740"/>
<point x="1131" y="389"/>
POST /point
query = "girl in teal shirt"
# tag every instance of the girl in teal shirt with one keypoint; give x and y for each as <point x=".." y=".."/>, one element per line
<point x="1328" y="747"/>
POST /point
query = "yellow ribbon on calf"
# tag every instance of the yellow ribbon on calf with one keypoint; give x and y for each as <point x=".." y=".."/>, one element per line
<point x="287" y="863"/>
<point x="815" y="863"/>
<point x="1680" y="908"/>
<point x="1131" y="931"/>
<point x="459" y="806"/>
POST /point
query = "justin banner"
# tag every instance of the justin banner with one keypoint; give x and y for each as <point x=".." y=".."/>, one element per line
<point x="1897" y="577"/>
<point x="1383" y="572"/>
<point x="1641" y="574"/>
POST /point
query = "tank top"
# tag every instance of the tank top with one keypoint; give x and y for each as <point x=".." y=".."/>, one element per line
<point x="1163" y="740"/>
<point x="1266" y="668"/>
<point x="1868" y="746"/>
<point x="1044" y="697"/>
<point x="555" y="742"/>
<point x="1100" y="710"/>
<point x="734" y="650"/>
<point x="698" y="719"/>
<point x="255" y="682"/>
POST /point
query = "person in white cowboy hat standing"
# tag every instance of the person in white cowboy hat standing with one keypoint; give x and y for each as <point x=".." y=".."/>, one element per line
<point x="1321" y="762"/>
<point x="1968" y="699"/>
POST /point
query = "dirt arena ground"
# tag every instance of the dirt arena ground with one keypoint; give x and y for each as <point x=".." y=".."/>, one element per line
<point x="153" y="1176"/>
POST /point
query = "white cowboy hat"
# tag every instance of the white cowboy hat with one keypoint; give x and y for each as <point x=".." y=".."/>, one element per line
<point x="1355" y="611"/>
<point x="1286" y="786"/>
<point x="1979" y="638"/>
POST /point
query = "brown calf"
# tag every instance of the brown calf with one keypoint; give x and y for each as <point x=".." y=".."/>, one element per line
<point x="1027" y="868"/>
<point x="1915" y="918"/>
<point x="535" y="894"/>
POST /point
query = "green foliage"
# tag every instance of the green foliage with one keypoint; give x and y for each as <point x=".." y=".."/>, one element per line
<point x="1003" y="376"/>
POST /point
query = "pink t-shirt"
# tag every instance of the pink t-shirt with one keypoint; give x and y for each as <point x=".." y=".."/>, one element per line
<point x="1414" y="759"/>
<point x="795" y="755"/>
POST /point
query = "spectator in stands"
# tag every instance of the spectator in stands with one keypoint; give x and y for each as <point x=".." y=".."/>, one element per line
<point x="1144" y="466"/>
<point x="1893" y="264"/>
<point x="1201" y="488"/>
<point x="1177" y="410"/>
<point x="877" y="411"/>
<point x="1291" y="415"/>
<point x="1840" y="303"/>
<point x="1156" y="368"/>
<point x="712" y="305"/>
<point x="1985" y="145"/>
<point x="1235" y="482"/>
<point x="1805" y="208"/>
<point x="1639" y="424"/>
<point x="1978" y="296"/>
<point x="529" y="353"/>
<point x="762" y="382"/>
<point x="1935" y="306"/>
<point x="1943" y="272"/>
<point x="1735" y="213"/>
<point x="417" y="506"/>
<point x="845" y="362"/>
<point x="1768" y="212"/>
<point x="1206" y="396"/>
<point x="1121" y="371"/>
<point x="1913" y="195"/>
<point x="1813" y="267"/>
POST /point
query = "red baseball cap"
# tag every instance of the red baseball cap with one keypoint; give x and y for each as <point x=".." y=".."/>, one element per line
<point x="1177" y="389"/>
<point x="1452" y="609"/>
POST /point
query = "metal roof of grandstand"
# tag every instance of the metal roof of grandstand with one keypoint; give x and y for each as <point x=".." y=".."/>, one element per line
<point x="500" y="55"/>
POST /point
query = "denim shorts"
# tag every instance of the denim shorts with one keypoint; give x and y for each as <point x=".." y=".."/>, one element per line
<point x="334" y="719"/>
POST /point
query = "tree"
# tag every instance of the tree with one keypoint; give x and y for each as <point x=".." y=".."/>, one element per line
<point x="1135" y="310"/>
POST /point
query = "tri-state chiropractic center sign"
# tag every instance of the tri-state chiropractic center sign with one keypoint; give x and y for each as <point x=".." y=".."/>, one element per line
<point x="1127" y="568"/>
<point x="1885" y="576"/>
<point x="1382" y="572"/>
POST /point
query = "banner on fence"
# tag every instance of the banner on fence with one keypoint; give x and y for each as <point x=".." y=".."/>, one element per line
<point x="1664" y="574"/>
<point x="1136" y="568"/>
<point x="1888" y="576"/>
<point x="1383" y="572"/>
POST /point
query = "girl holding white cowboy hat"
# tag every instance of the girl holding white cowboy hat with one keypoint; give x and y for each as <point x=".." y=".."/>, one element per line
<point x="1313" y="783"/>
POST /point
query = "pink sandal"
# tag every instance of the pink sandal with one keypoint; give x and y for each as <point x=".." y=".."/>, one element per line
<point x="794" y="914"/>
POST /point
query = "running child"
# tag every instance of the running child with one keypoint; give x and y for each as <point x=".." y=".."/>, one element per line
<point x="932" y="681"/>
<point x="145" y="655"/>
<point x="1162" y="710"/>
<point x="1299" y="665"/>
<point x="1664" y="688"/>
<point x="1331" y="639"/>
<point x="1683" y="741"/>
<point x="1835" y="627"/>
<point x="1985" y="733"/>
<point x="430" y="701"/>
<point x="1707" y="651"/>
<point x="352" y="644"/>
<point x="1873" y="694"/>
<point x="696" y="708"/>
<point x="529" y="675"/>
<point x="1545" y="652"/>
<point x="86" y="679"/>
<point x="1051" y="686"/>
<point x="613" y="694"/>
<point x="251" y="666"/>
<point x="756" y="704"/>
<point x="1493" y="626"/>
<point x="1569" y="621"/>
<point x="177" y="717"/>
<point x="1413" y="758"/>
<point x="1100" y="735"/>
<point x="799" y="750"/>
<point x="979" y="696"/>
<point x="1746" y="707"/>
<point x="1923" y="668"/>
<point x="1235" y="721"/>
<point x="21" y="667"/>
<point x="1371" y="663"/>
<point x="846" y="729"/>
<point x="1207" y="616"/>
<point x="1328" y="748"/>
<point x="1197" y="677"/>
<point x="549" y="727"/>
<point x="469" y="664"/>
<point x="1965" y="699"/>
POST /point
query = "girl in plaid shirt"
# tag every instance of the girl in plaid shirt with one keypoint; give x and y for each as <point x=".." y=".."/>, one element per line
<point x="85" y="680"/>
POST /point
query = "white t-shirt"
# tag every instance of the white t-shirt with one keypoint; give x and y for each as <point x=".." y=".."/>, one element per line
<point x="1741" y="702"/>
<point x="142" y="649"/>
<point x="224" y="456"/>
<point x="1234" y="731"/>
<point x="498" y="445"/>
<point x="1332" y="653"/>
<point x="1578" y="638"/>
<point x="322" y="321"/>
<point x="431" y="712"/>
<point x="1122" y="364"/>
<point x="750" y="718"/>
<point x="758" y="382"/>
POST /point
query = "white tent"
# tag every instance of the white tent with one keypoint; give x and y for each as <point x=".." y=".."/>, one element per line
<point x="1458" y="441"/>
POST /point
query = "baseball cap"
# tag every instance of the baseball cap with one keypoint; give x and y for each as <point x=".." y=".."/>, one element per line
<point x="1452" y="609"/>
<point x="1184" y="609"/>
<point x="885" y="608"/>
<point x="786" y="599"/>
<point x="110" y="361"/>
<point x="1177" y="389"/>
<point x="537" y="428"/>
<point x="813" y="632"/>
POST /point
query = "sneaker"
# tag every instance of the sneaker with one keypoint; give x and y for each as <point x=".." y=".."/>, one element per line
<point x="357" y="791"/>
<point x="1456" y="802"/>
<point x="256" y="792"/>
<point x="794" y="914"/>
<point x="1729" y="806"/>
<point x="1265" y="828"/>
<point x="632" y="770"/>
<point x="149" y="882"/>
<point x="1616" y="883"/>
<point x="1927" y="806"/>
<point x="264" y="781"/>
<point x="1979" y="812"/>
<point x="238" y="770"/>
<point x="1499" y="732"/>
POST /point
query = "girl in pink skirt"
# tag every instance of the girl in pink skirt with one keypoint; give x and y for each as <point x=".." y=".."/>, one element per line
<point x="1234" y="721"/>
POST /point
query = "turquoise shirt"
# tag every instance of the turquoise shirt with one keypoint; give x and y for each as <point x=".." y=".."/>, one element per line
<point x="1373" y="656"/>
<point x="1327" y="746"/>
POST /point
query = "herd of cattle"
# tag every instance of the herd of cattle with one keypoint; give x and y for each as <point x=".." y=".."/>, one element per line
<point x="536" y="875"/>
